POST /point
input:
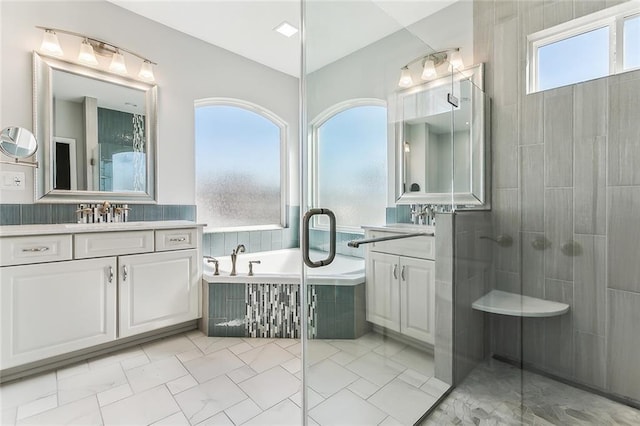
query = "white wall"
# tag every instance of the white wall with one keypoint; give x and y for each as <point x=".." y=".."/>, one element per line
<point x="188" y="69"/>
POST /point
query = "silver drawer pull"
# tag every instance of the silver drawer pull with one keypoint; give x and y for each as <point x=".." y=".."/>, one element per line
<point x="124" y="273"/>
<point x="402" y="273"/>
<point x="395" y="271"/>
<point x="110" y="274"/>
<point x="35" y="249"/>
<point x="178" y="240"/>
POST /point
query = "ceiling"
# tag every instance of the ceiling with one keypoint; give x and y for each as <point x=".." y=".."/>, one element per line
<point x="334" y="28"/>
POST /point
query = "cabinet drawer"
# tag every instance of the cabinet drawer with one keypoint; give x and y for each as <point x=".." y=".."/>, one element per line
<point x="99" y="244"/>
<point x="34" y="249"/>
<point x="420" y="247"/>
<point x="174" y="239"/>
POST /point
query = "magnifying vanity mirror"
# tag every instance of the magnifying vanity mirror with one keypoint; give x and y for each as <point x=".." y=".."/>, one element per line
<point x="18" y="143"/>
<point x="438" y="121"/>
<point x="96" y="131"/>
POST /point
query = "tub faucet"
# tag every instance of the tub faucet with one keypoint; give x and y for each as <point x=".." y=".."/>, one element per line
<point x="234" y="256"/>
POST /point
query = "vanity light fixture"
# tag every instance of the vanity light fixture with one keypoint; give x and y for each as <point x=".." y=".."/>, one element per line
<point x="405" y="78"/>
<point x="117" y="63"/>
<point x="91" y="46"/>
<point x="430" y="64"/>
<point x="86" y="55"/>
<point x="286" y="29"/>
<point x="50" y="43"/>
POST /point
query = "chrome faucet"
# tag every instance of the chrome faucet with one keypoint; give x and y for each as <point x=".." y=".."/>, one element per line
<point x="234" y="256"/>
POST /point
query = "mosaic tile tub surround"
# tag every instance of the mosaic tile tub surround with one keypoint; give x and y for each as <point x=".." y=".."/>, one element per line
<point x="273" y="310"/>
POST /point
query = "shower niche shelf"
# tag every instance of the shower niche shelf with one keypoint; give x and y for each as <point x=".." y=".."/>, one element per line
<point x="505" y="303"/>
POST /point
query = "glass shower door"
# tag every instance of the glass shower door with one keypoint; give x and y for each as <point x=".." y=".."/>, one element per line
<point x="369" y="343"/>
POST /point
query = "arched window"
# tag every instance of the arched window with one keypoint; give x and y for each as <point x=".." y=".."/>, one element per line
<point x="349" y="163"/>
<point x="240" y="165"/>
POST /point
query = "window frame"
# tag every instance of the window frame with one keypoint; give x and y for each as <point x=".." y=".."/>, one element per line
<point x="314" y="136"/>
<point x="612" y="17"/>
<point x="284" y="159"/>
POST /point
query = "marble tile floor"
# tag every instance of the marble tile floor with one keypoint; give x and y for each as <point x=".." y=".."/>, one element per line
<point x="192" y="379"/>
<point x="496" y="393"/>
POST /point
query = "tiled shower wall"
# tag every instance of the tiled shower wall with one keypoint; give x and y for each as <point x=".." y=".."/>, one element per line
<point x="566" y="176"/>
<point x="29" y="214"/>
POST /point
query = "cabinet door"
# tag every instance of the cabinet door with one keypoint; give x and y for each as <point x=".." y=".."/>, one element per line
<point x="157" y="290"/>
<point x="417" y="283"/>
<point x="52" y="308"/>
<point x="383" y="292"/>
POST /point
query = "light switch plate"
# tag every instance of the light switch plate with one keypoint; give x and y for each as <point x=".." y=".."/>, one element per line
<point x="13" y="181"/>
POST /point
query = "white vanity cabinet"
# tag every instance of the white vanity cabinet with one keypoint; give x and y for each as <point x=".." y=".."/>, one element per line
<point x="50" y="309"/>
<point x="89" y="285"/>
<point x="400" y="283"/>
<point x="157" y="290"/>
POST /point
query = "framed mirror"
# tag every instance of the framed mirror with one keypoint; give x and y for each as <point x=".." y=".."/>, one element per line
<point x="430" y="131"/>
<point x="96" y="133"/>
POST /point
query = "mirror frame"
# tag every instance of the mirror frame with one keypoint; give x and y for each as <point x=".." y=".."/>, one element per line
<point x="478" y="196"/>
<point x="43" y="67"/>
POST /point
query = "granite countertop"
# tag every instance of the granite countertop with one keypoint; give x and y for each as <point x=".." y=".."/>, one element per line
<point x="78" y="228"/>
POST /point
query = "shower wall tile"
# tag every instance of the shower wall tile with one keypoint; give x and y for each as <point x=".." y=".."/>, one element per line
<point x="585" y="7"/>
<point x="558" y="137"/>
<point x="590" y="359"/>
<point x="505" y="59"/>
<point x="505" y="146"/>
<point x="533" y="340"/>
<point x="533" y="264"/>
<point x="624" y="128"/>
<point x="506" y="336"/>
<point x="558" y="225"/>
<point x="624" y="238"/>
<point x="559" y="334"/>
<point x="589" y="309"/>
<point x="508" y="281"/>
<point x="532" y="187"/>
<point x="591" y="115"/>
<point x="557" y="11"/>
<point x="531" y="119"/>
<point x="507" y="222"/>
<point x="590" y="185"/>
<point x="623" y="344"/>
<point x="443" y="347"/>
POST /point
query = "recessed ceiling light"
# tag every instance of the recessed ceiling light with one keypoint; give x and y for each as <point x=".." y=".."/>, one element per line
<point x="286" y="29"/>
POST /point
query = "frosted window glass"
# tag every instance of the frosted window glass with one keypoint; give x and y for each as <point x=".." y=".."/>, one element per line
<point x="238" y="179"/>
<point x="632" y="43"/>
<point x="572" y="60"/>
<point x="352" y="166"/>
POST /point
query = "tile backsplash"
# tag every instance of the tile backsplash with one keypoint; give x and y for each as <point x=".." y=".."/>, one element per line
<point x="29" y="214"/>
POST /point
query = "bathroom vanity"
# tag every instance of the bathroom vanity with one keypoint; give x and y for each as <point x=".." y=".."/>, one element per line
<point x="70" y="289"/>
<point x="401" y="281"/>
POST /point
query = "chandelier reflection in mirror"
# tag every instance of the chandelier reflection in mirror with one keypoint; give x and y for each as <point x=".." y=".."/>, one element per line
<point x="89" y="47"/>
<point x="430" y="64"/>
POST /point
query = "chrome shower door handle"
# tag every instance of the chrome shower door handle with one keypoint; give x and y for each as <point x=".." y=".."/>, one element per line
<point x="305" y="238"/>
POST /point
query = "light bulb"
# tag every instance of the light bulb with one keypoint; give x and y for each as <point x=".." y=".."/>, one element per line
<point x="86" y="55"/>
<point x="405" y="78"/>
<point x="146" y="71"/>
<point x="117" y="63"/>
<point x="455" y="61"/>
<point x="429" y="70"/>
<point x="50" y="44"/>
